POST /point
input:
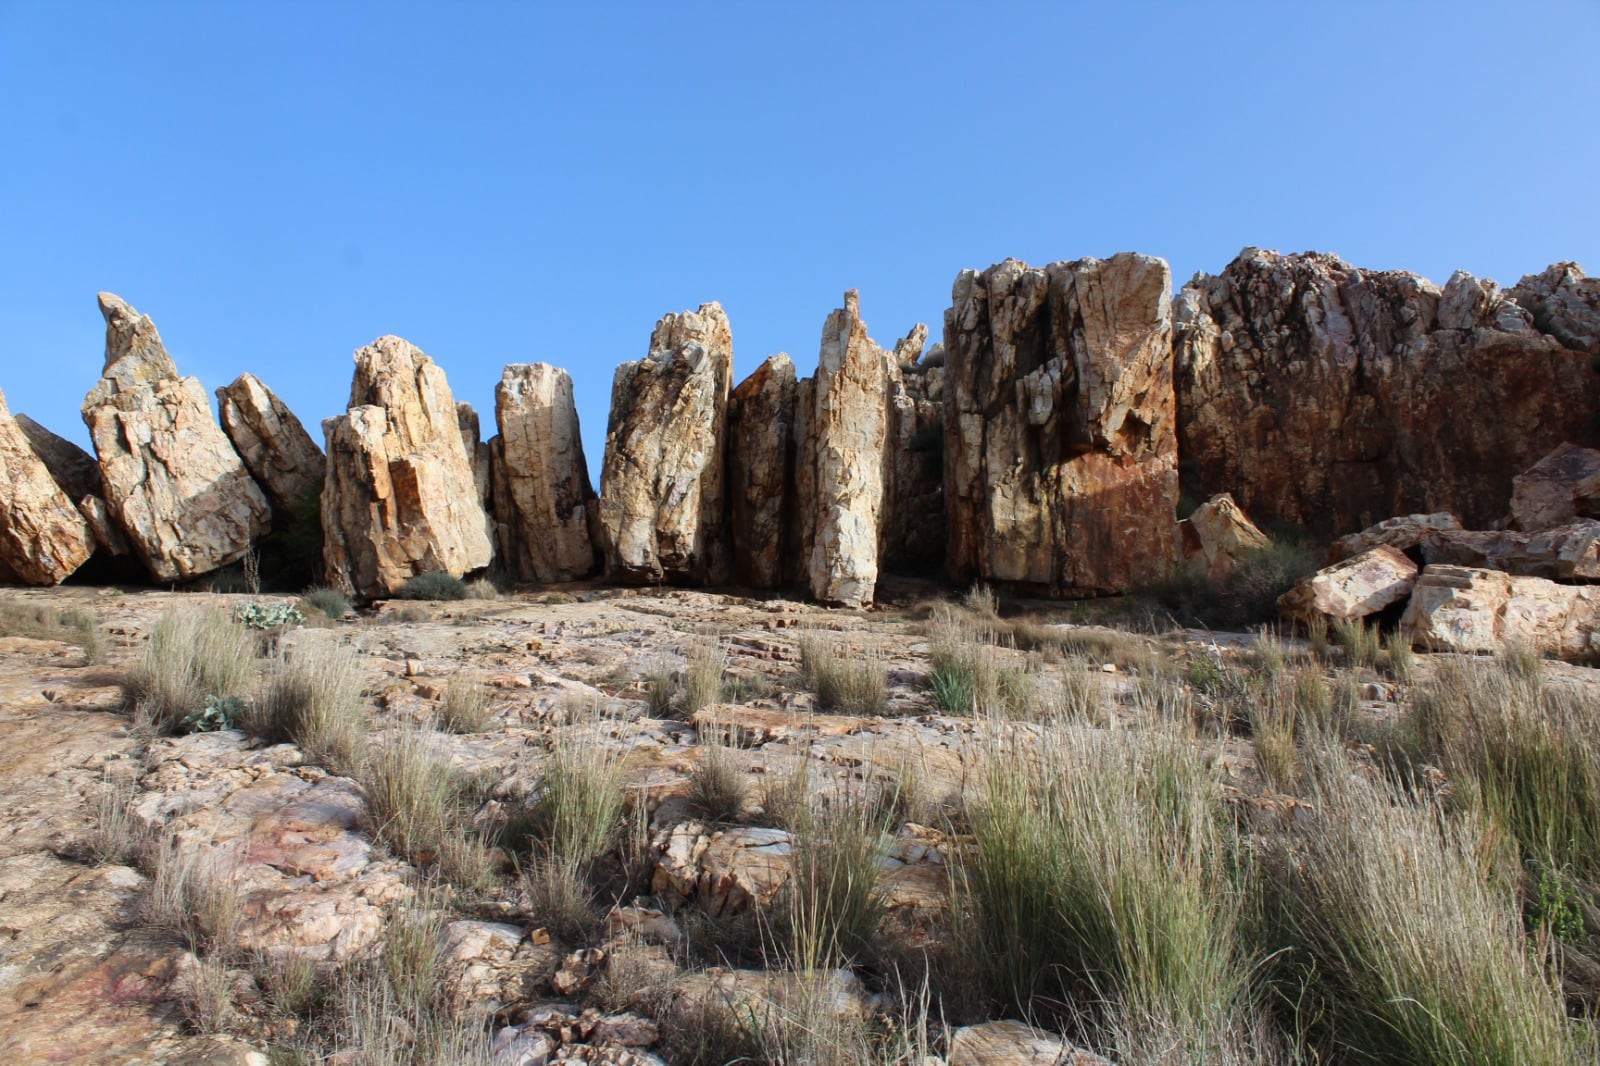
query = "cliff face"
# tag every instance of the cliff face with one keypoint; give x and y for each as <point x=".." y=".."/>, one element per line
<point x="1060" y="450"/>
<point x="1333" y="398"/>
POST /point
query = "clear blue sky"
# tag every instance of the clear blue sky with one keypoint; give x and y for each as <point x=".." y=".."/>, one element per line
<point x="277" y="184"/>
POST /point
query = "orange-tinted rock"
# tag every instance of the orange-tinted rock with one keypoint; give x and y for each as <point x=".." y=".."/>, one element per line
<point x="275" y="447"/>
<point x="43" y="538"/>
<point x="1353" y="588"/>
<point x="1060" y="451"/>
<point x="1332" y="397"/>
<point x="1564" y="553"/>
<point x="1214" y="537"/>
<point x="1405" y="532"/>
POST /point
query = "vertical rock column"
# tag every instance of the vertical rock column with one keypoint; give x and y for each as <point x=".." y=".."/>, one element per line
<point x="761" y="474"/>
<point x="541" y="481"/>
<point x="173" y="482"/>
<point x="661" y="484"/>
<point x="1060" y="448"/>
<point x="401" y="496"/>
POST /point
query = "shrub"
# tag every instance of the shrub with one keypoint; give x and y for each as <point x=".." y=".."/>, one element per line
<point x="832" y="903"/>
<point x="266" y="616"/>
<point x="313" y="700"/>
<point x="1248" y="594"/>
<point x="331" y="602"/>
<point x="193" y="653"/>
<point x="434" y="585"/>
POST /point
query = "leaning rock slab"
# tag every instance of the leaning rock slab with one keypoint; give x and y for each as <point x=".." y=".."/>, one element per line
<point x="43" y="538"/>
<point x="661" y="484"/>
<point x="1213" y="538"/>
<point x="172" y="479"/>
<point x="1564" y="553"/>
<point x="1405" y="532"/>
<point x="74" y="469"/>
<point x="276" y="448"/>
<point x="1354" y="588"/>
<point x="542" y="495"/>
<point x="401" y="497"/>
<point x="1060" y="450"/>
<point x="1558" y="488"/>
<point x="1462" y="609"/>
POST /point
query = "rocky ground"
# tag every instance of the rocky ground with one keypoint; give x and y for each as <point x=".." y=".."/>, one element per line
<point x="101" y="810"/>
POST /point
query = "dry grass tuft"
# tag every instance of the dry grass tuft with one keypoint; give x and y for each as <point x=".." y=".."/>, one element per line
<point x="313" y="699"/>
<point x="845" y="675"/>
<point x="193" y="654"/>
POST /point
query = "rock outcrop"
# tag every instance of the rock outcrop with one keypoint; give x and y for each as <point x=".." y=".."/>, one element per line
<point x="1332" y="397"/>
<point x="661" y="484"/>
<point x="72" y="468"/>
<point x="1564" y="304"/>
<point x="1562" y="486"/>
<point x="478" y="453"/>
<point x="913" y="540"/>
<point x="1352" y="589"/>
<point x="1461" y="609"/>
<point x="1213" y="538"/>
<point x="401" y="496"/>
<point x="43" y="538"/>
<point x="1565" y="553"/>
<point x="172" y="480"/>
<point x="275" y="447"/>
<point x="1404" y="532"/>
<point x="542" y="495"/>
<point x="761" y="461"/>
<point x="1060" y="449"/>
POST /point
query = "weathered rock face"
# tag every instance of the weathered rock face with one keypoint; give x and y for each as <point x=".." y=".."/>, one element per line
<point x="275" y="447"/>
<point x="172" y="480"/>
<point x="43" y="538"/>
<point x="1331" y="397"/>
<point x="1354" y="588"/>
<point x="401" y="497"/>
<point x="1558" y="488"/>
<point x="73" y="469"/>
<point x="661" y="484"/>
<point x="1564" y="553"/>
<point x="913" y="540"/>
<point x="541" y="481"/>
<point x="1060" y="450"/>
<point x="1457" y="608"/>
<point x="478" y="453"/>
<point x="1564" y="304"/>
<point x="847" y="433"/>
<point x="1213" y="538"/>
<point x="1405" y="532"/>
<point x="761" y="460"/>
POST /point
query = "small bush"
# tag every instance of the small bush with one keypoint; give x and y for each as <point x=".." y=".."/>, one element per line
<point x="465" y="707"/>
<point x="434" y="585"/>
<point x="331" y="602"/>
<point x="268" y="616"/>
<point x="313" y="700"/>
<point x="482" y="588"/>
<point x="718" y="786"/>
<point x="559" y="897"/>
<point x="703" y="678"/>
<point x="1247" y="595"/>
<point x="844" y="677"/>
<point x="578" y="808"/>
<point x="192" y="654"/>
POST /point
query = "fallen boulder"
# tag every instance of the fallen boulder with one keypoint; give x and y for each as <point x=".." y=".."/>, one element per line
<point x="1464" y="609"/>
<point x="1405" y="532"/>
<point x="74" y="469"/>
<point x="1354" y="588"/>
<point x="1213" y="538"/>
<point x="1558" y="488"/>
<point x="1015" y="1044"/>
<point x="275" y="447"/>
<point x="1565" y="553"/>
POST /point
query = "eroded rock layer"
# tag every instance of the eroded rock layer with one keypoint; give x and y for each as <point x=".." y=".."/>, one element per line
<point x="1332" y="397"/>
<point x="541" y="481"/>
<point x="43" y="538"/>
<point x="173" y="482"/>
<point x="1060" y="449"/>
<point x="661" y="484"/>
<point x="401" y="496"/>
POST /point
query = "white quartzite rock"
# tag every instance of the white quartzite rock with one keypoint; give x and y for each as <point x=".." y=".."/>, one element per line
<point x="761" y="460"/>
<point x="1354" y="588"/>
<point x="276" y="448"/>
<point x="1564" y="553"/>
<point x="172" y="480"/>
<point x="661" y="484"/>
<point x="1404" y="532"/>
<point x="401" y="497"/>
<point x="1461" y="609"/>
<point x="541" y="481"/>
<point x="43" y="538"/>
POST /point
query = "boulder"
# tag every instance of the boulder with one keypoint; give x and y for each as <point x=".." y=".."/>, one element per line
<point x="43" y="538"/>
<point x="847" y="433"/>
<point x="913" y="539"/>
<point x="725" y="871"/>
<point x="1558" y="488"/>
<point x="172" y="480"/>
<point x="661" y="484"/>
<point x="1463" y="609"/>
<point x="401" y="497"/>
<point x="487" y="966"/>
<point x="1564" y="553"/>
<point x="1564" y="304"/>
<point x="275" y="447"/>
<point x="541" y="480"/>
<point x="1353" y="588"/>
<point x="72" y="468"/>
<point x="1405" y="532"/>
<point x="1331" y="397"/>
<point x="1214" y="537"/>
<point x="761" y="475"/>
<point x="1015" y="1044"/>
<point x="1060" y="452"/>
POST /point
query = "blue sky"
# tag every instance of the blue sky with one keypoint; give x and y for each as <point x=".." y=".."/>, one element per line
<point x="277" y="184"/>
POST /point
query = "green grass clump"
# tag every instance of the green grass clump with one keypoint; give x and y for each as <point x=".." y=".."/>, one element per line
<point x="832" y="904"/>
<point x="193" y="654"/>
<point x="331" y="602"/>
<point x="465" y="707"/>
<point x="577" y="811"/>
<point x="434" y="585"/>
<point x="718" y="785"/>
<point x="703" y="678"/>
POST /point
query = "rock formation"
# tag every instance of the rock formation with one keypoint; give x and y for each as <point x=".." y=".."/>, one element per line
<point x="73" y="469"/>
<point x="43" y="538"/>
<point x="761" y="460"/>
<point x="541" y="481"/>
<point x="1331" y="397"/>
<point x="1351" y="589"/>
<point x="661" y="484"/>
<point x="1060" y="450"/>
<point x="401" y="497"/>
<point x="1558" y="488"/>
<point x="1564" y="304"/>
<point x="478" y="453"/>
<point x="913" y="540"/>
<point x="1461" y="609"/>
<point x="1211" y="540"/>
<point x="1564" y="553"/>
<point x="172" y="480"/>
<point x="275" y="447"/>
<point x="1404" y="532"/>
